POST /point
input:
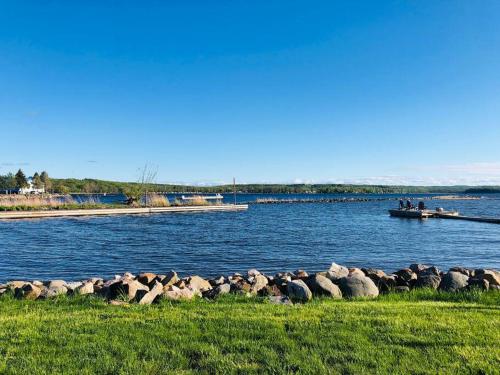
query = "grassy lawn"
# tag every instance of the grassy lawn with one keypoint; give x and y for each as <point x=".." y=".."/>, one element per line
<point x="419" y="332"/>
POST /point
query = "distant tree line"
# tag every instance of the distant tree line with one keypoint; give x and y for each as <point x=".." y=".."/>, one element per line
<point x="93" y="186"/>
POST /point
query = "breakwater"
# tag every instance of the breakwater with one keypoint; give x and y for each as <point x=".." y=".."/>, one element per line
<point x="282" y="288"/>
<point x="272" y="200"/>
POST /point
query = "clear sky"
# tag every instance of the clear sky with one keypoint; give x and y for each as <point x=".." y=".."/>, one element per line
<point x="266" y="91"/>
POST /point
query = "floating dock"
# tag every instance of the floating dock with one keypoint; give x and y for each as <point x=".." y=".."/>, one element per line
<point x="424" y="214"/>
<point x="118" y="211"/>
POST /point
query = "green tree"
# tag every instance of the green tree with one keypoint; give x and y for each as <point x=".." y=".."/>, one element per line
<point x="37" y="181"/>
<point x="21" y="180"/>
<point x="7" y="182"/>
<point x="47" y="183"/>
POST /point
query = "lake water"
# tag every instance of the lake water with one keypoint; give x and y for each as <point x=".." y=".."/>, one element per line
<point x="273" y="237"/>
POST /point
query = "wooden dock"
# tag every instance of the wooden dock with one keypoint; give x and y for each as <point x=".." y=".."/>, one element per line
<point x="491" y="220"/>
<point x="118" y="211"/>
<point x="424" y="214"/>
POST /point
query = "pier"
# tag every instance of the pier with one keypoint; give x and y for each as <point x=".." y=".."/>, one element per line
<point x="118" y="211"/>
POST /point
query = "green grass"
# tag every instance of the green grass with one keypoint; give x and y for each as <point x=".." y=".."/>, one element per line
<point x="418" y="332"/>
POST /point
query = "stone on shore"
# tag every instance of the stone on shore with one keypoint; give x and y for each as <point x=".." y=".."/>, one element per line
<point x="358" y="286"/>
<point x="428" y="281"/>
<point x="144" y="297"/>
<point x="336" y="272"/>
<point x="198" y="284"/>
<point x="492" y="276"/>
<point x="28" y="291"/>
<point x="299" y="291"/>
<point x="173" y="293"/>
<point x="323" y="286"/>
<point x="453" y="281"/>
<point x="259" y="282"/>
<point x="85" y="288"/>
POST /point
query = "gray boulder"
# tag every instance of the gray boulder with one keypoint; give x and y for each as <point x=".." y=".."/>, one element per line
<point x="358" y="286"/>
<point x="321" y="285"/>
<point x="336" y="272"/>
<point x="259" y="282"/>
<point x="298" y="291"/>
<point x="453" y="281"/>
<point x="428" y="281"/>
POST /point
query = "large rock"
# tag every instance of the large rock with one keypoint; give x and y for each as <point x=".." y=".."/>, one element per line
<point x="124" y="288"/>
<point x="358" y="286"/>
<point x="85" y="288"/>
<point x="492" y="276"/>
<point x="260" y="282"/>
<point x="55" y="288"/>
<point x="321" y="285"/>
<point x="198" y="284"/>
<point x="299" y="291"/>
<point x="336" y="272"/>
<point x="428" y="281"/>
<point x="465" y="271"/>
<point x="430" y="271"/>
<point x="148" y="297"/>
<point x="453" y="281"/>
<point x="28" y="291"/>
<point x="173" y="293"/>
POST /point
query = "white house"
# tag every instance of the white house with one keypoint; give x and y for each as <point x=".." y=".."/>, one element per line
<point x="30" y="189"/>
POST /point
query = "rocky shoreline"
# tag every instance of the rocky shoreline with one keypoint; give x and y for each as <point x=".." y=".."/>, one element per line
<point x="283" y="288"/>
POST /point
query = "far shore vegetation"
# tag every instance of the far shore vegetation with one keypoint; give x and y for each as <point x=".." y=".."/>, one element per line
<point x="12" y="181"/>
<point x="418" y="332"/>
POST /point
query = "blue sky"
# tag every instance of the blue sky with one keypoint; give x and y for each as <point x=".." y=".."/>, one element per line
<point x="266" y="91"/>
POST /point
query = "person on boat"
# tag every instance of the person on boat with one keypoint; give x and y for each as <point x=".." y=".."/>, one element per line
<point x="401" y="204"/>
<point x="409" y="206"/>
<point x="421" y="206"/>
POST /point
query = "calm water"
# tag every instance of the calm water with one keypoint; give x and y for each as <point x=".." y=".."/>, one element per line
<point x="269" y="237"/>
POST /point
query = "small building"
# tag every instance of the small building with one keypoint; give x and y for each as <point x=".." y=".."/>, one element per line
<point x="30" y="189"/>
